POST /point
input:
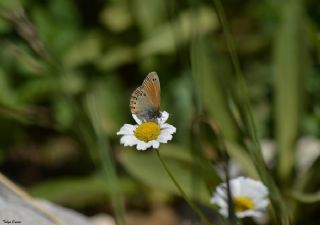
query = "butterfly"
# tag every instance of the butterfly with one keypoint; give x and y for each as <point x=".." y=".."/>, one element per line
<point x="145" y="99"/>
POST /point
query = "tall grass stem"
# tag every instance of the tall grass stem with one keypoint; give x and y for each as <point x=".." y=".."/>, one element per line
<point x="184" y="194"/>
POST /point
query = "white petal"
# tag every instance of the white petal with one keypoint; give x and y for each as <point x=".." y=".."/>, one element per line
<point x="257" y="186"/>
<point x="222" y="191"/>
<point x="141" y="145"/>
<point x="219" y="200"/>
<point x="168" y="128"/>
<point x="224" y="212"/>
<point x="164" y="137"/>
<point x="126" y="129"/>
<point x="155" y="144"/>
<point x="164" y="117"/>
<point x="138" y="121"/>
<point x="249" y="213"/>
<point x="261" y="203"/>
<point x="236" y="186"/>
<point x="220" y="197"/>
<point x="253" y="189"/>
<point x="245" y="187"/>
<point x="128" y="140"/>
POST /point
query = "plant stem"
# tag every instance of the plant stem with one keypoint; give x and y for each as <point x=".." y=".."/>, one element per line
<point x="253" y="144"/>
<point x="107" y="165"/>
<point x="184" y="194"/>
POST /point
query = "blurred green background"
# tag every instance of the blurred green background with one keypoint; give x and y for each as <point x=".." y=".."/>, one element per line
<point x="67" y="70"/>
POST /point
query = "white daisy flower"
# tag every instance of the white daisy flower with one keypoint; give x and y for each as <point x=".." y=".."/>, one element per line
<point x="249" y="197"/>
<point x="147" y="134"/>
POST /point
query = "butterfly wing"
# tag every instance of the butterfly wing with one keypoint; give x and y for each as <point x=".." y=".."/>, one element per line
<point x="145" y="100"/>
<point x="152" y="86"/>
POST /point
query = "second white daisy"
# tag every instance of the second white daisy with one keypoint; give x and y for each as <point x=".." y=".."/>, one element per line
<point x="147" y="134"/>
<point x="249" y="197"/>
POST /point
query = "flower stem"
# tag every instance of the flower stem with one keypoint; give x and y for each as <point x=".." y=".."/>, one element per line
<point x="184" y="194"/>
<point x="253" y="143"/>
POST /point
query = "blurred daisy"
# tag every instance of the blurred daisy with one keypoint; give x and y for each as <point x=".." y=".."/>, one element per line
<point x="249" y="197"/>
<point x="308" y="151"/>
<point x="147" y="134"/>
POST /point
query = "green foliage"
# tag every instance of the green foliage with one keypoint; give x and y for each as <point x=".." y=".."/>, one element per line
<point x="79" y="192"/>
<point x="68" y="68"/>
<point x="291" y="62"/>
<point x="147" y="168"/>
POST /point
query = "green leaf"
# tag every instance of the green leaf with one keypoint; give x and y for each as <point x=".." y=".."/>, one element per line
<point x="107" y="101"/>
<point x="178" y="98"/>
<point x="78" y="192"/>
<point x="117" y="17"/>
<point x="146" y="167"/>
<point x="85" y="50"/>
<point x="289" y="75"/>
<point x="210" y="91"/>
<point x="242" y="157"/>
<point x="9" y="4"/>
<point x="148" y="14"/>
<point x="38" y="89"/>
<point x="7" y="94"/>
<point x="165" y="39"/>
<point x="57" y="24"/>
<point x="306" y="197"/>
<point x="115" y="57"/>
<point x="63" y="113"/>
<point x="48" y="87"/>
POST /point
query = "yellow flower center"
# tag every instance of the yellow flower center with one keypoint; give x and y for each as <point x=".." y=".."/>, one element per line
<point x="242" y="203"/>
<point x="147" y="131"/>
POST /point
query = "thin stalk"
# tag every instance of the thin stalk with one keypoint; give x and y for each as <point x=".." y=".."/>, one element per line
<point x="253" y="144"/>
<point x="184" y="194"/>
<point x="106" y="162"/>
<point x="236" y="64"/>
<point x="226" y="159"/>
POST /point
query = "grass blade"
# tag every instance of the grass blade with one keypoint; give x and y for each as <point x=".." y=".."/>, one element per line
<point x="252" y="141"/>
<point x="289" y="59"/>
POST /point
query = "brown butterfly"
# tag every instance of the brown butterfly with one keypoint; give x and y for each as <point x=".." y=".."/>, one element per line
<point x="145" y="100"/>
